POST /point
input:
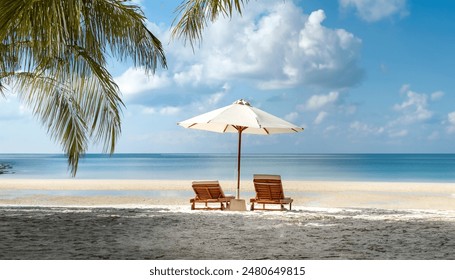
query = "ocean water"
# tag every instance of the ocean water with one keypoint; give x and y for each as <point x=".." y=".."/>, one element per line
<point x="344" y="167"/>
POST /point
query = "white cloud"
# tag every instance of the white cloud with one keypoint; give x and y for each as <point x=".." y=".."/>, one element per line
<point x="412" y="114"/>
<point x="24" y="110"/>
<point x="330" y="129"/>
<point x="210" y="101"/>
<point x="136" y="80"/>
<point x="193" y="76"/>
<point x="275" y="45"/>
<point x="398" y="133"/>
<point x="12" y="109"/>
<point x="404" y="88"/>
<point x="318" y="101"/>
<point x="451" y="120"/>
<point x="437" y="95"/>
<point x="365" y="128"/>
<point x="164" y="111"/>
<point x="320" y="117"/>
<point x="451" y="117"/>
<point x="291" y="117"/>
<point x="414" y="108"/>
<point x="215" y="98"/>
<point x="203" y="103"/>
<point x="375" y="10"/>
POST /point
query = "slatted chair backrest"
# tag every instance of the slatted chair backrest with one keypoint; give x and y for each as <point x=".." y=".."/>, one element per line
<point x="207" y="190"/>
<point x="268" y="187"/>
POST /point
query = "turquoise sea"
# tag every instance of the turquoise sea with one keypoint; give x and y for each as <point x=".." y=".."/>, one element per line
<point x="346" y="167"/>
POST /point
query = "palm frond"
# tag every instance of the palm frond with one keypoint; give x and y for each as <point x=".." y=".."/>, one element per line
<point x="130" y="39"/>
<point x="103" y="105"/>
<point x="54" y="104"/>
<point x="193" y="16"/>
<point x="98" y="26"/>
<point x="2" y="89"/>
<point x="56" y="52"/>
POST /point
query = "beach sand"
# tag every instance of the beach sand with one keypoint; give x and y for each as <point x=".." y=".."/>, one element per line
<point x="143" y="219"/>
<point x="327" y="194"/>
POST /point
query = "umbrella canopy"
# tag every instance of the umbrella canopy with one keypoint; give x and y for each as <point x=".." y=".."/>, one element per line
<point x="240" y="117"/>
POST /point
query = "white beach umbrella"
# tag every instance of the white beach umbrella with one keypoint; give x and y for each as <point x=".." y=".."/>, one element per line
<point x="240" y="117"/>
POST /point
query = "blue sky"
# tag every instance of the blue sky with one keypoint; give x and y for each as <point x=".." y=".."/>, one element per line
<point x="361" y="76"/>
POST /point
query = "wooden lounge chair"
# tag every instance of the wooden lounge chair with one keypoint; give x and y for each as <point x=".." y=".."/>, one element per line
<point x="269" y="190"/>
<point x="209" y="192"/>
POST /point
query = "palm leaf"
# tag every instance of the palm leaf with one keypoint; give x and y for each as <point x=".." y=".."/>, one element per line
<point x="193" y="15"/>
<point x="56" y="52"/>
<point x="54" y="104"/>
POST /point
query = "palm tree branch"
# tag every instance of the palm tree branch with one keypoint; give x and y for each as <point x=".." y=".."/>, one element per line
<point x="54" y="104"/>
<point x="192" y="17"/>
<point x="61" y="57"/>
<point x="103" y="105"/>
<point x="129" y="40"/>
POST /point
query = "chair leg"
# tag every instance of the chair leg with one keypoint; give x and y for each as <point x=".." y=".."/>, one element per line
<point x="252" y="206"/>
<point x="193" y="205"/>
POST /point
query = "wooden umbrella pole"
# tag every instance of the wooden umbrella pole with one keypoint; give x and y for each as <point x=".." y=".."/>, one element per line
<point x="240" y="129"/>
<point x="238" y="162"/>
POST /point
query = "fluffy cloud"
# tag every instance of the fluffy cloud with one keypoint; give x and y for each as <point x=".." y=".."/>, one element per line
<point x="320" y="117"/>
<point x="193" y="77"/>
<point x="291" y="116"/>
<point x="136" y="80"/>
<point x="437" y="95"/>
<point x="165" y="111"/>
<point x="375" y="10"/>
<point x="199" y="104"/>
<point x="398" y="133"/>
<point x="414" y="108"/>
<point x="275" y="45"/>
<point x="12" y="109"/>
<point x="412" y="118"/>
<point x="365" y="128"/>
<point x="327" y="57"/>
<point x="412" y="114"/>
<point x="451" y="120"/>
<point x="318" y="101"/>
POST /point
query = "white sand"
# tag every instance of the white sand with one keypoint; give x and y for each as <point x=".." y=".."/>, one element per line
<point x="175" y="232"/>
<point x="325" y="194"/>
<point x="330" y="220"/>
